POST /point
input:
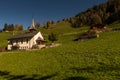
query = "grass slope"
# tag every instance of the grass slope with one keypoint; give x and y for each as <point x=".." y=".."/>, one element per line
<point x="115" y="24"/>
<point x="95" y="59"/>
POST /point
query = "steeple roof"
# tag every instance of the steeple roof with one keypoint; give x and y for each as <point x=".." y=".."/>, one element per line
<point x="32" y="27"/>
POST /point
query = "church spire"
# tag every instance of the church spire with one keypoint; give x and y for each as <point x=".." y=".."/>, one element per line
<point x="32" y="27"/>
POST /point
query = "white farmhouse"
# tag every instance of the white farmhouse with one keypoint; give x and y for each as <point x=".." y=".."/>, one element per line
<point x="27" y="40"/>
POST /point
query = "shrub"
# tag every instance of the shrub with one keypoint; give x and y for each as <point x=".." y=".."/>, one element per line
<point x="35" y="47"/>
<point x="52" y="37"/>
<point x="15" y="47"/>
<point x="2" y="49"/>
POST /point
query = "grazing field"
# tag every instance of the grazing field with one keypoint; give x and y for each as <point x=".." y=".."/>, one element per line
<point x="94" y="59"/>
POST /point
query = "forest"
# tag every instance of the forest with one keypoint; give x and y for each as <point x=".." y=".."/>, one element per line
<point x="105" y="13"/>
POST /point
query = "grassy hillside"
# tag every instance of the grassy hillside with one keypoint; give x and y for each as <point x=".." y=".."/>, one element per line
<point x="95" y="59"/>
<point x="115" y="24"/>
<point x="61" y="29"/>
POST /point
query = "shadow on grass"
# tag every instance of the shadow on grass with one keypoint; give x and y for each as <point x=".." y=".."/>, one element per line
<point x="76" y="78"/>
<point x="101" y="68"/>
<point x="87" y="69"/>
<point x="8" y="76"/>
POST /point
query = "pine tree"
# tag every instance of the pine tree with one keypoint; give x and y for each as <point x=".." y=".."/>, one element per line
<point x="52" y="37"/>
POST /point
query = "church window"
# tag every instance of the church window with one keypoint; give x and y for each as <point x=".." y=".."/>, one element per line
<point x="21" y="41"/>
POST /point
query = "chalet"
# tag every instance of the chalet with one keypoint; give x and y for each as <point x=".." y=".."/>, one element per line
<point x="98" y="28"/>
<point x="27" y="40"/>
<point x="92" y="32"/>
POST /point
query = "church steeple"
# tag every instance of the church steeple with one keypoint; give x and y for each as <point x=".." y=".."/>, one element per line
<point x="32" y="27"/>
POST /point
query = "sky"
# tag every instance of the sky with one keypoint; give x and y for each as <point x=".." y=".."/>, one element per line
<point x="22" y="11"/>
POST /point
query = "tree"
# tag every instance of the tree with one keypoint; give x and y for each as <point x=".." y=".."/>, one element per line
<point x="95" y="19"/>
<point x="11" y="27"/>
<point x="52" y="37"/>
<point x="8" y="27"/>
<point x="48" y="25"/>
<point x="5" y="27"/>
<point x="18" y="27"/>
<point x="104" y="13"/>
<point x="15" y="47"/>
<point x="37" y="25"/>
<point x="52" y="22"/>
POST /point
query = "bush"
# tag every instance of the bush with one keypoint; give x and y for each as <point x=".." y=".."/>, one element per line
<point x="52" y="37"/>
<point x="35" y="47"/>
<point x="15" y="47"/>
<point x="2" y="49"/>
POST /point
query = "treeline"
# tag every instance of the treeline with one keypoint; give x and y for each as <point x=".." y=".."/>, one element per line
<point x="12" y="27"/>
<point x="49" y="24"/>
<point x="105" y="13"/>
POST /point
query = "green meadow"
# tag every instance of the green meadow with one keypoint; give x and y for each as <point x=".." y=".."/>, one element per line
<point x="94" y="59"/>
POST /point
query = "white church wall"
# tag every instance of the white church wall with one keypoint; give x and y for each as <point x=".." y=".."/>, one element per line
<point x="37" y="36"/>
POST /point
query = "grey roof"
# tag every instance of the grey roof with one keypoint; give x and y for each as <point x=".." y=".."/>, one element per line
<point x="24" y="35"/>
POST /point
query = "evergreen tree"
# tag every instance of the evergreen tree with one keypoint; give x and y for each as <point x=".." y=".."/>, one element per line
<point x="95" y="19"/>
<point x="18" y="27"/>
<point x="5" y="27"/>
<point x="52" y="37"/>
<point x="104" y="13"/>
<point x="37" y="25"/>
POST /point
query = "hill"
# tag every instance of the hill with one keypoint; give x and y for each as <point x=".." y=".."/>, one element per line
<point x="94" y="59"/>
<point x="61" y="29"/>
<point x="105" y="13"/>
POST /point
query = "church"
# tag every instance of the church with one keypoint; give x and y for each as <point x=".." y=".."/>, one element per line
<point x="27" y="40"/>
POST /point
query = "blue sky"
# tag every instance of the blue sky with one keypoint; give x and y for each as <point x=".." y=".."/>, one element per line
<point x="21" y="11"/>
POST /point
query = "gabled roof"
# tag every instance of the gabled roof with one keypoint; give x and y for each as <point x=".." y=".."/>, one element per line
<point x="24" y="35"/>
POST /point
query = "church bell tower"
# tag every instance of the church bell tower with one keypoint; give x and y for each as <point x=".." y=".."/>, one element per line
<point x="32" y="27"/>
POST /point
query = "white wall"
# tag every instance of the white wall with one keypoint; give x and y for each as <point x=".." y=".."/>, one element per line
<point x="37" y="36"/>
<point x="33" y="40"/>
<point x="23" y="45"/>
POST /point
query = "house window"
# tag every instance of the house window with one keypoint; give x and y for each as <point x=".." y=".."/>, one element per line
<point x="27" y="40"/>
<point x="11" y="42"/>
<point x="16" y="41"/>
<point x="21" y="41"/>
